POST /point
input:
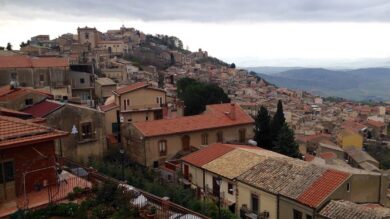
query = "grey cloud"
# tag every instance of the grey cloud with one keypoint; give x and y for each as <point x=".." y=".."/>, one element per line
<point x="208" y="10"/>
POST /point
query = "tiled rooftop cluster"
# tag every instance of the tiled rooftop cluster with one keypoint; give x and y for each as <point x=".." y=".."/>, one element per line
<point x="349" y="210"/>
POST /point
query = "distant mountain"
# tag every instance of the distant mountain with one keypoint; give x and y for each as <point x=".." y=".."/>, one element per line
<point x="271" y="70"/>
<point x="359" y="84"/>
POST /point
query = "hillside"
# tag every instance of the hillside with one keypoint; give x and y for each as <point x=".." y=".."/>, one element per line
<point x="359" y="84"/>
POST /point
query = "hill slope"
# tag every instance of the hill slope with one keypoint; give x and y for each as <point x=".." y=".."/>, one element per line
<point x="359" y="84"/>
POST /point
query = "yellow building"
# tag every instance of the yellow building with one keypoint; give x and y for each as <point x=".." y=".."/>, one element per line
<point x="348" y="137"/>
<point x="153" y="142"/>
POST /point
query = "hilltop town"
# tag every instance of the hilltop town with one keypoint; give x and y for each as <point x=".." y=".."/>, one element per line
<point x="79" y="99"/>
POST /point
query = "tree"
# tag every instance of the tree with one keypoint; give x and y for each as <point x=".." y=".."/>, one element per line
<point x="278" y="121"/>
<point x="197" y="95"/>
<point x="285" y="142"/>
<point x="263" y="129"/>
<point x="232" y="65"/>
<point x="9" y="47"/>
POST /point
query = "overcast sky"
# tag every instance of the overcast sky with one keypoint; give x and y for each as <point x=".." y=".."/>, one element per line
<point x="247" y="32"/>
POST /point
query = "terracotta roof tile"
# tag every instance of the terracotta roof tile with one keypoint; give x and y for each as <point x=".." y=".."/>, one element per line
<point x="352" y="125"/>
<point x="105" y="108"/>
<point x="32" y="62"/>
<point x="206" y="155"/>
<point x="328" y="155"/>
<point x="214" y="117"/>
<point x="43" y="108"/>
<point x="8" y="94"/>
<point x="376" y="124"/>
<point x="349" y="210"/>
<point x="14" y="132"/>
<point x="130" y="87"/>
<point x="323" y="187"/>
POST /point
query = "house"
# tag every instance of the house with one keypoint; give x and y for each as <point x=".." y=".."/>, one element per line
<point x="349" y="137"/>
<point x="202" y="168"/>
<point x="361" y="159"/>
<point x="36" y="72"/>
<point x="349" y="210"/>
<point x="28" y="157"/>
<point x="377" y="128"/>
<point x="83" y="87"/>
<point x="288" y="188"/>
<point x="85" y="124"/>
<point x="104" y="88"/>
<point x="18" y="98"/>
<point x="152" y="142"/>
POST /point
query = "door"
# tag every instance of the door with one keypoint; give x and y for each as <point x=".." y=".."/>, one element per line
<point x="185" y="143"/>
<point x="186" y="172"/>
<point x="7" y="180"/>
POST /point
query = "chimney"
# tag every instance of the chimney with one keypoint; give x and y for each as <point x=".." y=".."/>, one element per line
<point x="232" y="113"/>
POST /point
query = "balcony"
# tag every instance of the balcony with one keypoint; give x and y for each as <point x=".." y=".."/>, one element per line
<point x="143" y="107"/>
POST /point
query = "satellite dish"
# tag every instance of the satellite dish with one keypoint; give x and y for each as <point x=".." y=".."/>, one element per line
<point x="74" y="130"/>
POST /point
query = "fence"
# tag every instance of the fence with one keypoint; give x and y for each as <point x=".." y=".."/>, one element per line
<point x="144" y="201"/>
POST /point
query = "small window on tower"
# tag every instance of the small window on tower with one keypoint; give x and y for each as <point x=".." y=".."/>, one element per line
<point x="86" y="35"/>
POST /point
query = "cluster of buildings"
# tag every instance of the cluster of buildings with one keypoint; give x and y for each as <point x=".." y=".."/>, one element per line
<point x="78" y="96"/>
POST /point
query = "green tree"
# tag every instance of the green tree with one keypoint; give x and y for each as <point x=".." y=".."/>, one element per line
<point x="232" y="65"/>
<point x="263" y="129"/>
<point x="285" y="142"/>
<point x="278" y="121"/>
<point x="9" y="47"/>
<point x="197" y="95"/>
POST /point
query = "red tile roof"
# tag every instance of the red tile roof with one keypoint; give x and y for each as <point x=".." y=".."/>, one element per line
<point x="8" y="94"/>
<point x="13" y="113"/>
<point x="377" y="124"/>
<point x="328" y="155"/>
<point x="129" y="88"/>
<point x="309" y="157"/>
<point x="352" y="125"/>
<point x="105" y="108"/>
<point x="214" y="117"/>
<point x="17" y="132"/>
<point x="43" y="108"/>
<point x="32" y="62"/>
<point x="208" y="154"/>
<point x="323" y="187"/>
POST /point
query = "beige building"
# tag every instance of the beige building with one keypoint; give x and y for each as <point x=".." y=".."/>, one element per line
<point x="136" y="102"/>
<point x="87" y="35"/>
<point x="104" y="88"/>
<point x="113" y="47"/>
<point x="153" y="142"/>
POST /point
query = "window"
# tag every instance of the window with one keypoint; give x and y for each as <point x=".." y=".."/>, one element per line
<point x="297" y="214"/>
<point x="41" y="78"/>
<point x="161" y="101"/>
<point x="146" y="118"/>
<point x="205" y="139"/>
<point x="128" y="102"/>
<point x="162" y="147"/>
<point x="13" y="76"/>
<point x="86" y="35"/>
<point x="86" y="130"/>
<point x="309" y="217"/>
<point x="255" y="203"/>
<point x="220" y="137"/>
<point x="157" y="100"/>
<point x="124" y="104"/>
<point x="348" y="187"/>
<point x="29" y="101"/>
<point x="82" y="80"/>
<point x="6" y="167"/>
<point x="230" y="188"/>
<point x="242" y="135"/>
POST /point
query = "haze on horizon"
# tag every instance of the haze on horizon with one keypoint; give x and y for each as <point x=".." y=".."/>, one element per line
<point x="328" y="33"/>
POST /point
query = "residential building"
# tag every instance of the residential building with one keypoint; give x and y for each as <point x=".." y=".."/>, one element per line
<point x="85" y="124"/>
<point x="152" y="142"/>
<point x="18" y="98"/>
<point x="83" y="87"/>
<point x="349" y="137"/>
<point x="28" y="157"/>
<point x="104" y="88"/>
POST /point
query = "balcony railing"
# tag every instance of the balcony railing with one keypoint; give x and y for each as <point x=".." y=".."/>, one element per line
<point x="132" y="108"/>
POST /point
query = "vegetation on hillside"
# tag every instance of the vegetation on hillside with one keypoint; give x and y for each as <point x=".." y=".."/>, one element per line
<point x="381" y="153"/>
<point x="196" y="95"/>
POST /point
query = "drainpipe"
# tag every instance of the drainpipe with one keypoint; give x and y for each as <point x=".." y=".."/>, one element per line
<point x="277" y="205"/>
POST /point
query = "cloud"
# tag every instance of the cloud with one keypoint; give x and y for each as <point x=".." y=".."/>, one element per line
<point x="204" y="10"/>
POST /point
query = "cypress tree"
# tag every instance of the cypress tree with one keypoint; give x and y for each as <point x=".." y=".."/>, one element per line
<point x="285" y="142"/>
<point x="263" y="129"/>
<point x="278" y="121"/>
